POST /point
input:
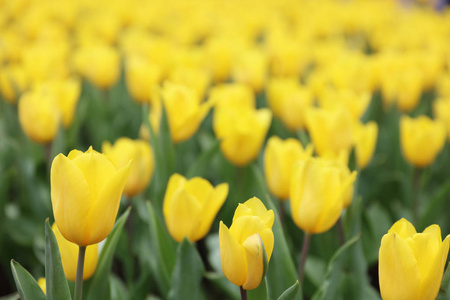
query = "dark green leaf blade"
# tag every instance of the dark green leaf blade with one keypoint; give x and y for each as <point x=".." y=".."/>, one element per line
<point x="290" y="293"/>
<point x="26" y="285"/>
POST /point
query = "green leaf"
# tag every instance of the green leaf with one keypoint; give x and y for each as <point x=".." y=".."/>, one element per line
<point x="260" y="293"/>
<point x="202" y="162"/>
<point x="290" y="293"/>
<point x="26" y="285"/>
<point x="329" y="287"/>
<point x="281" y="273"/>
<point x="443" y="295"/>
<point x="162" y="255"/>
<point x="56" y="282"/>
<point x="435" y="205"/>
<point x="188" y="273"/>
<point x="99" y="284"/>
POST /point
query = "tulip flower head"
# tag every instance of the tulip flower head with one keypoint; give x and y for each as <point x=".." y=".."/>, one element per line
<point x="69" y="256"/>
<point x="190" y="206"/>
<point x="246" y="247"/>
<point x="365" y="142"/>
<point x="411" y="264"/>
<point x="86" y="189"/>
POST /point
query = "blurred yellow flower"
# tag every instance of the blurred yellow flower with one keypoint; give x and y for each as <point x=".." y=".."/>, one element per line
<point x="279" y="159"/>
<point x="195" y="78"/>
<point x="13" y="81"/>
<point x="251" y="67"/>
<point x="86" y="189"/>
<point x="441" y="110"/>
<point x="69" y="256"/>
<point x="411" y="264"/>
<point x="190" y="206"/>
<point x="142" y="162"/>
<point x="230" y="95"/>
<point x="421" y="139"/>
<point x="318" y="192"/>
<point x="141" y="75"/>
<point x="366" y="136"/>
<point x="246" y="247"/>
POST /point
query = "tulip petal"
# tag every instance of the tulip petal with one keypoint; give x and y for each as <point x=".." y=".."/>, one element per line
<point x="398" y="272"/>
<point x="70" y="198"/>
<point x="254" y="253"/>
<point x="403" y="228"/>
<point x="176" y="182"/>
<point x="232" y="256"/>
<point x="200" y="188"/>
<point x="107" y="206"/>
<point x="254" y="207"/>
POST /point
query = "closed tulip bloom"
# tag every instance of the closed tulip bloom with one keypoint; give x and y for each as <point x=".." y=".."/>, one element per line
<point x="39" y="116"/>
<point x="69" y="256"/>
<point x="142" y="162"/>
<point x="86" y="189"/>
<point x="140" y="76"/>
<point x="279" y="159"/>
<point x="251" y="68"/>
<point x="230" y="95"/>
<point x="185" y="112"/>
<point x="441" y="110"/>
<point x="318" y="190"/>
<point x="410" y="87"/>
<point x="421" y="139"/>
<point x="195" y="78"/>
<point x="242" y="132"/>
<point x="365" y="143"/>
<point x="330" y="130"/>
<point x="411" y="264"/>
<point x="190" y="206"/>
<point x="246" y="247"/>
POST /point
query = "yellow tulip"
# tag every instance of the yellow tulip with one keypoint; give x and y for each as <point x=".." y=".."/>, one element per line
<point x="279" y="159"/>
<point x="411" y="264"/>
<point x="195" y="78"/>
<point x="13" y="81"/>
<point x="69" y="256"/>
<point x="244" y="246"/>
<point x="421" y="140"/>
<point x="141" y="154"/>
<point x="42" y="284"/>
<point x="85" y="189"/>
<point x="184" y="110"/>
<point x="318" y="194"/>
<point x="190" y="206"/>
<point x="410" y="88"/>
<point x="331" y="131"/>
<point x="251" y="67"/>
<point x="365" y="142"/>
<point x="140" y="76"/>
<point x="355" y="102"/>
<point x="241" y="131"/>
<point x="441" y="109"/>
<point x="39" y="116"/>
<point x="230" y="95"/>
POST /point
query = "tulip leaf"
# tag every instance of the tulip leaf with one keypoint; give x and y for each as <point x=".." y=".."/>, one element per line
<point x="99" y="284"/>
<point x="188" y="273"/>
<point x="290" y="293"/>
<point x="260" y="293"/>
<point x="444" y="290"/>
<point x="281" y="273"/>
<point x="26" y="285"/>
<point x="329" y="288"/>
<point x="202" y="162"/>
<point x="56" y="282"/>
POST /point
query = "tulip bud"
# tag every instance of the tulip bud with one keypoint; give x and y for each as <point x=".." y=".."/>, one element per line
<point x="421" y="139"/>
<point x="365" y="143"/>
<point x="246" y="247"/>
<point x="279" y="159"/>
<point x="142" y="162"/>
<point x="190" y="206"/>
<point x="319" y="189"/>
<point x="86" y="189"/>
<point x="242" y="131"/>
<point x="39" y="116"/>
<point x="69" y="256"/>
<point x="140" y="76"/>
<point x="411" y="264"/>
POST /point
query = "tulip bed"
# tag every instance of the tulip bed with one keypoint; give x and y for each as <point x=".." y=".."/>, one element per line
<point x="212" y="149"/>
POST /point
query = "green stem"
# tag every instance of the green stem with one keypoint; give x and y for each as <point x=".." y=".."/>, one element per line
<point x="303" y="256"/>
<point x="79" y="277"/>
<point x="243" y="293"/>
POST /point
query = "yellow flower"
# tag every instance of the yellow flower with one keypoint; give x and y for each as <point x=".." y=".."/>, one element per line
<point x="190" y="206"/>
<point x="411" y="264"/>
<point x="365" y="142"/>
<point x="184" y="110"/>
<point x="318" y="192"/>
<point x="69" y="256"/>
<point x="244" y="246"/>
<point x="39" y="116"/>
<point x="331" y="131"/>
<point x="42" y="284"/>
<point x="355" y="102"/>
<point x="230" y="95"/>
<point x="441" y="109"/>
<point x="421" y="139"/>
<point x="251" y="67"/>
<point x="13" y="81"/>
<point x="279" y="159"/>
<point x="242" y="131"/>
<point x="85" y="189"/>
<point x="140" y="76"/>
<point x="142" y="165"/>
<point x="195" y="78"/>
